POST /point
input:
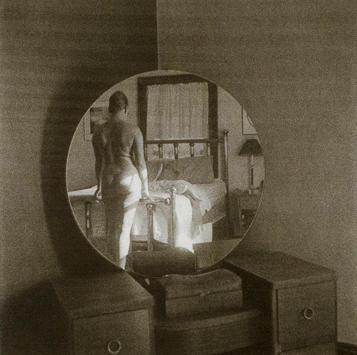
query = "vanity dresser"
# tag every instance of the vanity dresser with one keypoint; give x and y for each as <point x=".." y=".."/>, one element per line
<point x="105" y="314"/>
<point x="298" y="297"/>
<point x="292" y="311"/>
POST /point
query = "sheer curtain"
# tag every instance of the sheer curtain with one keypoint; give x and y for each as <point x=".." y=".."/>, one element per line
<point x="177" y="111"/>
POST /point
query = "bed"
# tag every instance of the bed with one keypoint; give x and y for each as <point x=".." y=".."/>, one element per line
<point x="165" y="220"/>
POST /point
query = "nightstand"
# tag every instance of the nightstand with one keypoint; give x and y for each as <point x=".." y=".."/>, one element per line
<point x="244" y="207"/>
<point x="298" y="297"/>
<point x="105" y="314"/>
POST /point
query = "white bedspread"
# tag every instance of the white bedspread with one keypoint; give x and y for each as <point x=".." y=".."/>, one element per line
<point x="191" y="205"/>
<point x="214" y="191"/>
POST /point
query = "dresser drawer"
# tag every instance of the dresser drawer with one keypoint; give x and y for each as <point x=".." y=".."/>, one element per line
<point x="306" y="315"/>
<point x="116" y="333"/>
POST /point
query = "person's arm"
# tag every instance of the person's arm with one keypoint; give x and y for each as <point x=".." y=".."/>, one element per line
<point x="99" y="163"/>
<point x="140" y="162"/>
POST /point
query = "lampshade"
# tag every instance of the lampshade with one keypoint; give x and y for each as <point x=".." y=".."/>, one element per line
<point x="251" y="147"/>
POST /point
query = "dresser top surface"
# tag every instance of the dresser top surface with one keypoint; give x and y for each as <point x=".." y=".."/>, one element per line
<point x="91" y="295"/>
<point x="278" y="269"/>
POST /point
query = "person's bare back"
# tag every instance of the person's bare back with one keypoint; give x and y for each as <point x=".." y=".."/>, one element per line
<point x="121" y="173"/>
<point x="122" y="138"/>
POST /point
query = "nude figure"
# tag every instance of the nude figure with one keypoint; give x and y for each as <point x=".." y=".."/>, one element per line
<point x="122" y="178"/>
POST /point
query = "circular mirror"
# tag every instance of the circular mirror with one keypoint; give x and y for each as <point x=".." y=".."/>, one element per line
<point x="165" y="173"/>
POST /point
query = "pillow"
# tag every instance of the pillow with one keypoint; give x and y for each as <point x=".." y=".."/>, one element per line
<point x="170" y="170"/>
<point x="154" y="168"/>
<point x="196" y="170"/>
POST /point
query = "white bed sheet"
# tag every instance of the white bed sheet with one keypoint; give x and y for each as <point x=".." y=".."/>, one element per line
<point x="214" y="191"/>
<point x="189" y="226"/>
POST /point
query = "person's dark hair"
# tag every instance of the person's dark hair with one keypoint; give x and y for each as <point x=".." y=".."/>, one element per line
<point x="117" y="102"/>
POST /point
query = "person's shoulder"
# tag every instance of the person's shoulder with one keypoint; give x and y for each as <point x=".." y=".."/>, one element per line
<point x="137" y="131"/>
<point x="130" y="126"/>
<point x="127" y="124"/>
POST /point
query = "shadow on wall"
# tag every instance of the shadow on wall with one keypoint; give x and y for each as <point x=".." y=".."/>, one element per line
<point x="65" y="110"/>
<point x="33" y="314"/>
<point x="62" y="55"/>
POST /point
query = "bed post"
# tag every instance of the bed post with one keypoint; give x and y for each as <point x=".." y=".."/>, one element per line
<point x="226" y="176"/>
<point x="150" y="207"/>
<point x="172" y="231"/>
<point x="145" y="151"/>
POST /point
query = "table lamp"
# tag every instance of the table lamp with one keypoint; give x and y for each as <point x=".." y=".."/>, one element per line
<point x="251" y="148"/>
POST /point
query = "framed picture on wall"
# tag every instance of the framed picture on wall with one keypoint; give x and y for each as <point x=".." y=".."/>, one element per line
<point x="247" y="124"/>
<point x="96" y="116"/>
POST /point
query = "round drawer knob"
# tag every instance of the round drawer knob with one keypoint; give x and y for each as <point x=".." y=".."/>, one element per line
<point x="114" y="347"/>
<point x="308" y="313"/>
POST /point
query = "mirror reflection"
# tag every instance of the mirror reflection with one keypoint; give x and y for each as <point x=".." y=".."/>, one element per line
<point x="165" y="170"/>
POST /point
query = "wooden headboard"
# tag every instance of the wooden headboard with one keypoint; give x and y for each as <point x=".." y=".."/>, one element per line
<point x="212" y="145"/>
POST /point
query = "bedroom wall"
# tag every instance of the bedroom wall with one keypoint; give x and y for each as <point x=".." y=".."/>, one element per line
<point x="80" y="172"/>
<point x="230" y="117"/>
<point x="290" y="64"/>
<point x="56" y="58"/>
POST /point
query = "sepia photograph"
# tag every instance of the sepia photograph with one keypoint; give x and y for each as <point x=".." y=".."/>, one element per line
<point x="179" y="177"/>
